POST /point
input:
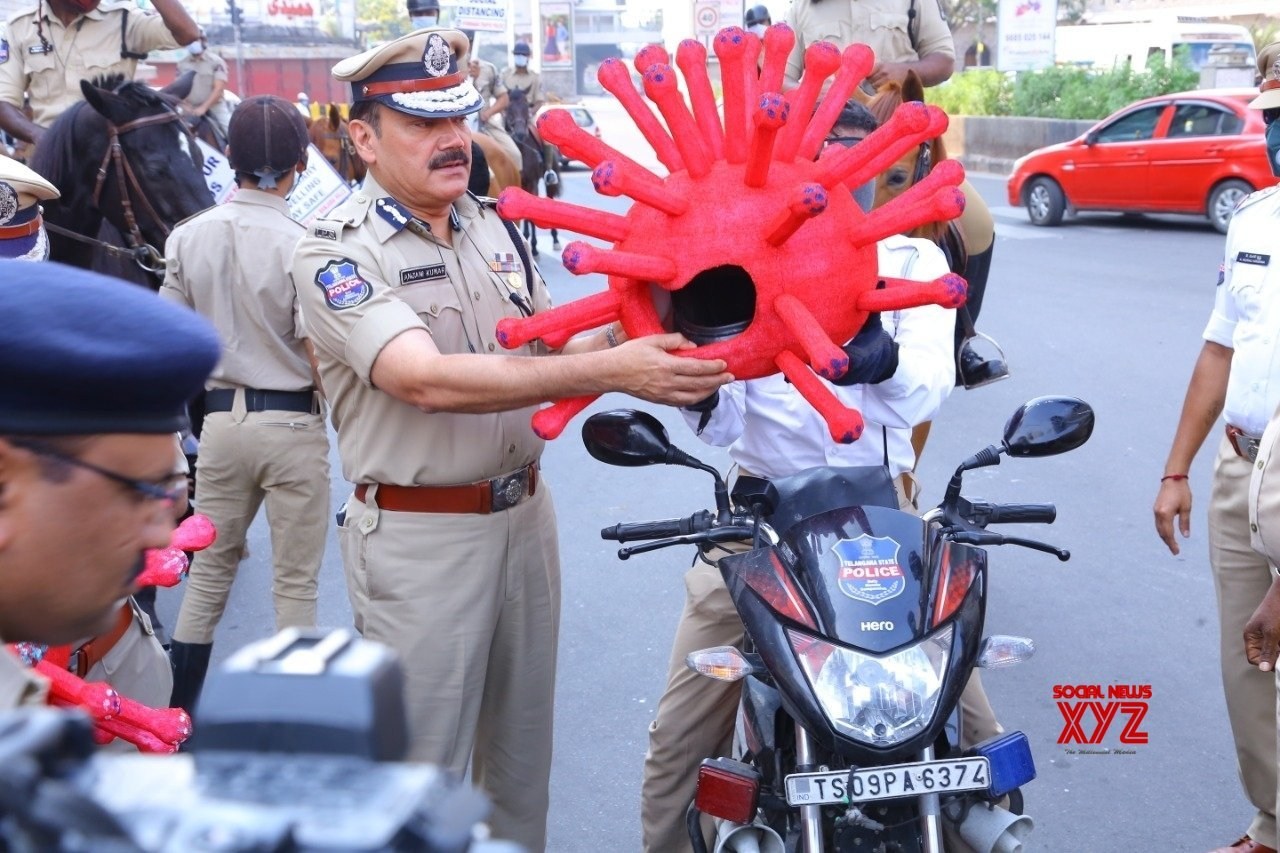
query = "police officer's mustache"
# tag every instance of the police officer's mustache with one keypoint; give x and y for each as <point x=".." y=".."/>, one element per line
<point x="450" y="158"/>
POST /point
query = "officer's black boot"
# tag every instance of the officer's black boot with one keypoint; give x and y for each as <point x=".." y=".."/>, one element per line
<point x="190" y="662"/>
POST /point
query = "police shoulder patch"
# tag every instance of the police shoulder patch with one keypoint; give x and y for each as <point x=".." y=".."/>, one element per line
<point x="342" y="284"/>
<point x="4" y="51"/>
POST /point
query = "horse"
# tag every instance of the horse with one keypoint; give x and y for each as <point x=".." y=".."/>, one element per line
<point x="518" y="119"/>
<point x="117" y="160"/>
<point x="968" y="242"/>
<point x="334" y="142"/>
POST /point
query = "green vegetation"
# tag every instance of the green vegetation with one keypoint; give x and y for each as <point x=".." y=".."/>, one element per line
<point x="1060" y="92"/>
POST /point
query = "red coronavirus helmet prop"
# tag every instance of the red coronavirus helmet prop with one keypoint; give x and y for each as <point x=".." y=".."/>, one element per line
<point x="751" y="235"/>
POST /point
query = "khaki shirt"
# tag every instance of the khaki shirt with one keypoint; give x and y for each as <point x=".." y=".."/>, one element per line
<point x="233" y="264"/>
<point x="530" y="82"/>
<point x="364" y="276"/>
<point x="209" y="68"/>
<point x="89" y="48"/>
<point x="19" y="685"/>
<point x="880" y="24"/>
<point x="489" y="83"/>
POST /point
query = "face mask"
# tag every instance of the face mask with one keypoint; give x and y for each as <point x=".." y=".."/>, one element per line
<point x="195" y="48"/>
<point x="1273" y="146"/>
<point x="865" y="195"/>
<point x="522" y="62"/>
<point x="83" y="6"/>
<point x="422" y="21"/>
<point x="758" y="29"/>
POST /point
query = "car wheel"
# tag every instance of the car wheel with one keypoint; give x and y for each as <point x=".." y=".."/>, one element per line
<point x="1223" y="201"/>
<point x="1045" y="202"/>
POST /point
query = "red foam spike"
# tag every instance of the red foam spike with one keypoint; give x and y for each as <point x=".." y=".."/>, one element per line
<point x="778" y="41"/>
<point x="564" y="321"/>
<point x="821" y="60"/>
<point x="581" y="258"/>
<point x="691" y="57"/>
<point x="650" y="55"/>
<point x="949" y="291"/>
<point x="906" y="212"/>
<point x="771" y="114"/>
<point x="807" y="201"/>
<point x="170" y="725"/>
<point x="730" y="47"/>
<point x="558" y="126"/>
<point x="856" y="63"/>
<point x="195" y="533"/>
<point x="163" y="567"/>
<point x="844" y="424"/>
<point x="613" y="75"/>
<point x="95" y="698"/>
<point x="105" y="731"/>
<point x="615" y="179"/>
<point x="515" y="204"/>
<point x="548" y="423"/>
<point x="827" y="359"/>
<point x="907" y="127"/>
<point x="660" y="86"/>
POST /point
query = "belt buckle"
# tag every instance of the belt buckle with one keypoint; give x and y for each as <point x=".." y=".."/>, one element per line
<point x="508" y="490"/>
<point x="1245" y="445"/>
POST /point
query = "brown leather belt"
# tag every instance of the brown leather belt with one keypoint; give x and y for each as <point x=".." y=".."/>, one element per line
<point x="87" y="656"/>
<point x="1245" y="445"/>
<point x="482" y="498"/>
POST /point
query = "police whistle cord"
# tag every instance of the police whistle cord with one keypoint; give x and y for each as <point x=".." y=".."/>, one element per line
<point x="159" y="730"/>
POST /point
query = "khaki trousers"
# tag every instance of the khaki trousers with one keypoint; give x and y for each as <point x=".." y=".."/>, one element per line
<point x="471" y="604"/>
<point x="1241" y="577"/>
<point x="696" y="715"/>
<point x="281" y="458"/>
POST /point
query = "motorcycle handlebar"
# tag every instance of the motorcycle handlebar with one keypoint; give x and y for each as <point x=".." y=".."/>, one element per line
<point x="696" y="523"/>
<point x="1022" y="513"/>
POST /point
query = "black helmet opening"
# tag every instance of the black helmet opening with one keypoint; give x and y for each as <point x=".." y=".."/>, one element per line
<point x="717" y="304"/>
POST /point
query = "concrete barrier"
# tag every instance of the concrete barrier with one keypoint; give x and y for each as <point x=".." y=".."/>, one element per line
<point x="990" y="144"/>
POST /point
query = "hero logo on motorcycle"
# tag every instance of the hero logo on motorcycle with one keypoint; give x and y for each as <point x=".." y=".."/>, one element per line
<point x="869" y="568"/>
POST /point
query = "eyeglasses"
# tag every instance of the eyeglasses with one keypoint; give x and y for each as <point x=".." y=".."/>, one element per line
<point x="170" y="489"/>
<point x="846" y="141"/>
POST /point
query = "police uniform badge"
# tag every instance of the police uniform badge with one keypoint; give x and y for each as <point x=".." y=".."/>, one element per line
<point x="869" y="568"/>
<point x="342" y="284"/>
<point x="8" y="203"/>
<point x="436" y="56"/>
<point x="4" y="51"/>
<point x="504" y="262"/>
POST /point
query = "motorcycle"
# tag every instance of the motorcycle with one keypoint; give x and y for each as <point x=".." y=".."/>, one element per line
<point x="863" y="624"/>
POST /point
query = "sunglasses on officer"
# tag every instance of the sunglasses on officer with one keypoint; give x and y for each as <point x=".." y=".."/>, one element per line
<point x="169" y="489"/>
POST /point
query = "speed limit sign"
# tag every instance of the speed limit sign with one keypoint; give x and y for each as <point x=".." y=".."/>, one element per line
<point x="707" y="17"/>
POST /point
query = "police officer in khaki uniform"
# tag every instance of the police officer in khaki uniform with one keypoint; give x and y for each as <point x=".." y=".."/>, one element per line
<point x="520" y="76"/>
<point x="1236" y="375"/>
<point x="493" y="104"/>
<point x="264" y="437"/>
<point x="48" y="50"/>
<point x="906" y="35"/>
<point x="205" y="97"/>
<point x="449" y="540"/>
<point x="99" y="373"/>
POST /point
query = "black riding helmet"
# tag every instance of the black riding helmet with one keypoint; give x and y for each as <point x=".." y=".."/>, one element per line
<point x="419" y="7"/>
<point x="522" y="49"/>
<point x="266" y="138"/>
<point x="757" y="15"/>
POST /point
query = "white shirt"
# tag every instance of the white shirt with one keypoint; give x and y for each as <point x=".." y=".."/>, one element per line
<point x="1246" y="312"/>
<point x="772" y="431"/>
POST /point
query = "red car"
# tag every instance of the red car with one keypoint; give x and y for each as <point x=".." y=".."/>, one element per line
<point x="1189" y="152"/>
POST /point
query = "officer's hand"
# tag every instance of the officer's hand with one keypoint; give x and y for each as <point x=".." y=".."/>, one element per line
<point x="648" y="370"/>
<point x="1262" y="631"/>
<point x="1173" y="502"/>
<point x="873" y="355"/>
<point x="888" y="72"/>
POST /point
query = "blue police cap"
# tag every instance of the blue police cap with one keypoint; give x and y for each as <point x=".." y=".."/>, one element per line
<point x="84" y="354"/>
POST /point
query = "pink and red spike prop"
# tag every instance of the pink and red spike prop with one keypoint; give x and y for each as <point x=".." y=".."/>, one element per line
<point x="750" y="193"/>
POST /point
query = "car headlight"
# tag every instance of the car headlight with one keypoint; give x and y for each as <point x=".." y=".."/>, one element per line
<point x="876" y="700"/>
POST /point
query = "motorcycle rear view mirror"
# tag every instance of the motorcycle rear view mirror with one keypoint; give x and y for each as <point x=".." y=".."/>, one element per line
<point x="626" y="437"/>
<point x="1047" y="426"/>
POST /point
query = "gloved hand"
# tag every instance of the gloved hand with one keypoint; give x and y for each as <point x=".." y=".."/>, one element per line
<point x="706" y="406"/>
<point x="873" y="355"/>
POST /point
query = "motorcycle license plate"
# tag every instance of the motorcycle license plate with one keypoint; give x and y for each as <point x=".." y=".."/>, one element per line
<point x="886" y="783"/>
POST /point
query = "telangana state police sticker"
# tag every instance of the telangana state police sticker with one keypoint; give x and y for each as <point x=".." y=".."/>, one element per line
<point x="869" y="568"/>
<point x="342" y="285"/>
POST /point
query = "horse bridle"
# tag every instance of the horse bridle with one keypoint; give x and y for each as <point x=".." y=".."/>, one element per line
<point x="143" y="253"/>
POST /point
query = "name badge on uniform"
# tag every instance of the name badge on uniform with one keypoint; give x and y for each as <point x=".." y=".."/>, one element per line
<point x="1254" y="258"/>
<point x="39" y="49"/>
<point x="416" y="275"/>
<point x="504" y="262"/>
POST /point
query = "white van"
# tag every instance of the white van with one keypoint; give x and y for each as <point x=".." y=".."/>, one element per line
<point x="1106" y="46"/>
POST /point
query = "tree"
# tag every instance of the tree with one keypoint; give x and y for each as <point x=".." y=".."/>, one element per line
<point x="382" y="20"/>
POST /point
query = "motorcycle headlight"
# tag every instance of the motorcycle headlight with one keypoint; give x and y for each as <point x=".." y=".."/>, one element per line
<point x="876" y="700"/>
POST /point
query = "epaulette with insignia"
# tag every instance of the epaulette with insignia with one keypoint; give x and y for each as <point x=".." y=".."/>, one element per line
<point x="1253" y="198"/>
<point x="484" y="200"/>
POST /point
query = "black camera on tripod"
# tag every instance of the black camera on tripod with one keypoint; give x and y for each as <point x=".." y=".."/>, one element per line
<point x="297" y="747"/>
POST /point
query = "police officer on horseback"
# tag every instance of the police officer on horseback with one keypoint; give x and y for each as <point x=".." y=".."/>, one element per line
<point x="520" y="76"/>
<point x="205" y="99"/>
<point x="48" y="50"/>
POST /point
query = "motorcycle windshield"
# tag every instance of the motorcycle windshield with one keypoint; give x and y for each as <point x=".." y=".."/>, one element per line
<point x="864" y="571"/>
